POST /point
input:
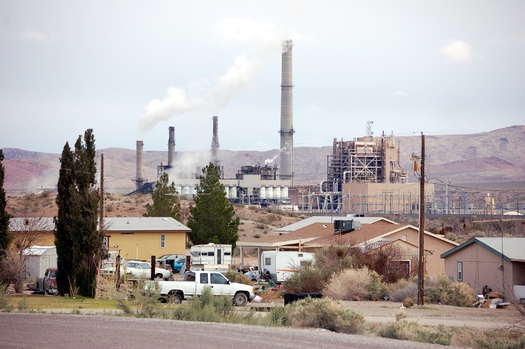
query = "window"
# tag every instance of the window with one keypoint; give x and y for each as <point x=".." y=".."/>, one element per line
<point x="460" y="271"/>
<point x="218" y="279"/>
<point x="267" y="261"/>
<point x="162" y="240"/>
<point x="204" y="278"/>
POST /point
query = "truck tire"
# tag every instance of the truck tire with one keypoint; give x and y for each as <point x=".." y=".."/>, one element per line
<point x="176" y="299"/>
<point x="240" y="299"/>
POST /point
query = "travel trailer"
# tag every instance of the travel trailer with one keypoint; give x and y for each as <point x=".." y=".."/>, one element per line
<point x="283" y="264"/>
<point x="211" y="257"/>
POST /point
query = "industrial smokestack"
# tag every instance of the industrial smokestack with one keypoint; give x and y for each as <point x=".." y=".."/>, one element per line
<point x="215" y="142"/>
<point x="140" y="164"/>
<point x="171" y="146"/>
<point x="287" y="131"/>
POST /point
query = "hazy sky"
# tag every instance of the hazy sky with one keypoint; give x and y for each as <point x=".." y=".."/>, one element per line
<point x="130" y="69"/>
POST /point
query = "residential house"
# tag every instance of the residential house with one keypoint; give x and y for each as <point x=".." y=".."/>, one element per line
<point x="313" y="233"/>
<point x="495" y="262"/>
<point x="135" y="237"/>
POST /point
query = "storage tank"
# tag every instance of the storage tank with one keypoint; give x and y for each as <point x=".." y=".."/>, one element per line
<point x="284" y="192"/>
<point x="262" y="193"/>
<point x="233" y="192"/>
<point x="269" y="193"/>
<point x="277" y="192"/>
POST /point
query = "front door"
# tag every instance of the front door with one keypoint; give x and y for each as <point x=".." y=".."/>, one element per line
<point x="219" y="256"/>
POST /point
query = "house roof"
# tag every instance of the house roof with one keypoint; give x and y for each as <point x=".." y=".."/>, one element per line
<point x="111" y="224"/>
<point x="39" y="250"/>
<point x="144" y="223"/>
<point x="327" y="220"/>
<point x="512" y="249"/>
<point x="319" y="231"/>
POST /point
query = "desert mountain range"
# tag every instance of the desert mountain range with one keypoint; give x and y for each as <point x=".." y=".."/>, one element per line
<point x="494" y="159"/>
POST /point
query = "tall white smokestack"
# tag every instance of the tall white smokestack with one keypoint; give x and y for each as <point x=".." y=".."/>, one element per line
<point x="171" y="146"/>
<point x="140" y="164"/>
<point x="215" y="142"/>
<point x="287" y="131"/>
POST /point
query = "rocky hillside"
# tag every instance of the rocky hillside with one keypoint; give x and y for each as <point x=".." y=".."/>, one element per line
<point x="496" y="157"/>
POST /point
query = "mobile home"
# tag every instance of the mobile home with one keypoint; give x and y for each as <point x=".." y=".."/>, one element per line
<point x="283" y="264"/>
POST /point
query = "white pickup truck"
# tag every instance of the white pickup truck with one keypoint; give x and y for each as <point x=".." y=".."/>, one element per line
<point x="194" y="282"/>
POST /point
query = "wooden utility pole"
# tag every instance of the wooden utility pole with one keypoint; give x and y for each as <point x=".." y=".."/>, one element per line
<point x="101" y="214"/>
<point x="421" y="260"/>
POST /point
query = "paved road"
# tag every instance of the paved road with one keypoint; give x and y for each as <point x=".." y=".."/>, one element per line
<point x="57" y="331"/>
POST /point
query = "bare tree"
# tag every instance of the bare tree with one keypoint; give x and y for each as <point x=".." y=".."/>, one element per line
<point x="26" y="232"/>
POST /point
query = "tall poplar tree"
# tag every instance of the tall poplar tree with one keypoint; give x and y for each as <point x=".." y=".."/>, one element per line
<point x="166" y="202"/>
<point x="76" y="223"/>
<point x="212" y="217"/>
<point x="5" y="236"/>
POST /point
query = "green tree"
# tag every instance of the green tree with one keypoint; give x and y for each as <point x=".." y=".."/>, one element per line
<point x="212" y="217"/>
<point x="78" y="241"/>
<point x="5" y="236"/>
<point x="64" y="222"/>
<point x="166" y="202"/>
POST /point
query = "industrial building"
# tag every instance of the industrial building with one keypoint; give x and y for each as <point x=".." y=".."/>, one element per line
<point x="258" y="185"/>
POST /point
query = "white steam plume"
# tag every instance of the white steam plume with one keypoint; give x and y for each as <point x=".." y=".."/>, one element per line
<point x="195" y="98"/>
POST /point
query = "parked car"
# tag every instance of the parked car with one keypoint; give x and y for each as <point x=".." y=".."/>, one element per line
<point x="177" y="265"/>
<point x="47" y="283"/>
<point x="173" y="261"/>
<point x="137" y="269"/>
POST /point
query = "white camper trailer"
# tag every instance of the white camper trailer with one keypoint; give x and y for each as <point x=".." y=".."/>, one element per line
<point x="211" y="257"/>
<point x="283" y="264"/>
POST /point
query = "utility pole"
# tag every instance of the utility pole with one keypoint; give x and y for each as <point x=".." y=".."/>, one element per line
<point x="101" y="213"/>
<point x="421" y="259"/>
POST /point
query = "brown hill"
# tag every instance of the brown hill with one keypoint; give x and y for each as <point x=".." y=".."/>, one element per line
<point x="490" y="157"/>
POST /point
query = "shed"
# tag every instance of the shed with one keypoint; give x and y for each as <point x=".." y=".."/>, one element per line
<point x="38" y="259"/>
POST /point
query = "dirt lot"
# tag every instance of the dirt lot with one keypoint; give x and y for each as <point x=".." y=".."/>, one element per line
<point x="435" y="315"/>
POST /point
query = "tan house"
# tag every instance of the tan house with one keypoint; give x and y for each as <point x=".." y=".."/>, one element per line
<point x="315" y="232"/>
<point x="135" y="237"/>
<point x="495" y="262"/>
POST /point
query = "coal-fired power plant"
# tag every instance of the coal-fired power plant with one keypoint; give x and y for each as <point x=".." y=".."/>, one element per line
<point x="287" y="131"/>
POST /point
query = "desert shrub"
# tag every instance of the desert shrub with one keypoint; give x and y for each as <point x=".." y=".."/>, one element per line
<point x="412" y="331"/>
<point x="256" y="235"/>
<point x="234" y="276"/>
<point x="144" y="302"/>
<point x="324" y="313"/>
<point x="264" y="220"/>
<point x="355" y="284"/>
<point x="309" y="279"/>
<point x="499" y="339"/>
<point x="439" y="289"/>
<point x="402" y="289"/>
<point x="277" y="317"/>
<point x="260" y="226"/>
<point x="3" y="300"/>
<point x="408" y="302"/>
<point x="207" y="307"/>
<point x="451" y="236"/>
<point x="335" y="258"/>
